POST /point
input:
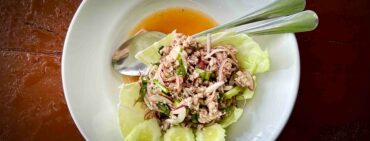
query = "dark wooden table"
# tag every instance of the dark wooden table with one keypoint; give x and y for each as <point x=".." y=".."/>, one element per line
<point x="333" y="100"/>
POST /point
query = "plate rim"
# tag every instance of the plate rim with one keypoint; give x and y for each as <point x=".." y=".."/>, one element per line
<point x="64" y="83"/>
<point x="67" y="97"/>
<point x="296" y="87"/>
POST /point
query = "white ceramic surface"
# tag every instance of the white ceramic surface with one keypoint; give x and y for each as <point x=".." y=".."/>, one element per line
<point x="91" y="86"/>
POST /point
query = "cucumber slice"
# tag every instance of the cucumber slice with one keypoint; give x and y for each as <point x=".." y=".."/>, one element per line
<point x="233" y="117"/>
<point x="178" y="133"/>
<point x="129" y="115"/>
<point x="211" y="133"/>
<point x="146" y="131"/>
<point x="150" y="55"/>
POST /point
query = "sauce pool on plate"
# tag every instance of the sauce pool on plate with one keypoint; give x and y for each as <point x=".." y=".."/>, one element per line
<point x="183" y="20"/>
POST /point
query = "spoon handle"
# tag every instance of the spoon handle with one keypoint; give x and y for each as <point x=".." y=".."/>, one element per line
<point x="299" y="22"/>
<point x="276" y="9"/>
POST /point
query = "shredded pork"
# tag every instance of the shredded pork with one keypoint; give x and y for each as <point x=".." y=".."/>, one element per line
<point x="187" y="86"/>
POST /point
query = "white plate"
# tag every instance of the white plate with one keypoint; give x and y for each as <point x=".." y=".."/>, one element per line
<point x="91" y="86"/>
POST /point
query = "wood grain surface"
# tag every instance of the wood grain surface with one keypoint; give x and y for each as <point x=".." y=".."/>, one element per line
<point x="32" y="104"/>
<point x="333" y="101"/>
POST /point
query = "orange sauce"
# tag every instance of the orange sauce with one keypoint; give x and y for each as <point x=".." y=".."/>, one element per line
<point x="183" y="20"/>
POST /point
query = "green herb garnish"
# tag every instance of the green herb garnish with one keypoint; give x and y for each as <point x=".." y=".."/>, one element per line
<point x="176" y="102"/>
<point x="220" y="97"/>
<point x="233" y="92"/>
<point x="159" y="50"/>
<point x="181" y="69"/>
<point x="164" y="108"/>
<point x="143" y="85"/>
<point x="163" y="88"/>
<point x="205" y="75"/>
<point x="194" y="118"/>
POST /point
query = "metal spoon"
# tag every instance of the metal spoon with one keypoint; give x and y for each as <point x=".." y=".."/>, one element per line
<point x="125" y="63"/>
<point x="276" y="9"/>
<point x="123" y="59"/>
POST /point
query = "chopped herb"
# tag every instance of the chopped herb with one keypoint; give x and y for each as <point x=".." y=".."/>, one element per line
<point x="181" y="69"/>
<point x="220" y="97"/>
<point x="233" y="92"/>
<point x="159" y="50"/>
<point x="177" y="102"/>
<point x="205" y="75"/>
<point x="194" y="118"/>
<point x="162" y="93"/>
<point x="163" y="88"/>
<point x="161" y="116"/>
<point x="143" y="86"/>
<point x="164" y="108"/>
<point x="198" y="70"/>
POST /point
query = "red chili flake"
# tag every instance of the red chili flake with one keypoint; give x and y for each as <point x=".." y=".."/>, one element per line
<point x="202" y="64"/>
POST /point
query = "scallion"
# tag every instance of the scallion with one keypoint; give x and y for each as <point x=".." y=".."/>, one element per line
<point x="163" y="108"/>
<point x="163" y="88"/>
<point x="233" y="92"/>
<point x="181" y="69"/>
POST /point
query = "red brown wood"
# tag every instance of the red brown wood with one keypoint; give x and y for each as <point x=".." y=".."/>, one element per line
<point x="332" y="104"/>
<point x="32" y="104"/>
<point x="333" y="101"/>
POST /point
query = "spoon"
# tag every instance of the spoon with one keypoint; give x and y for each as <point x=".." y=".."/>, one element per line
<point x="123" y="59"/>
<point x="125" y="63"/>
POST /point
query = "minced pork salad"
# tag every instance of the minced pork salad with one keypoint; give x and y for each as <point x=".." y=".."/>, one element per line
<point x="193" y="87"/>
